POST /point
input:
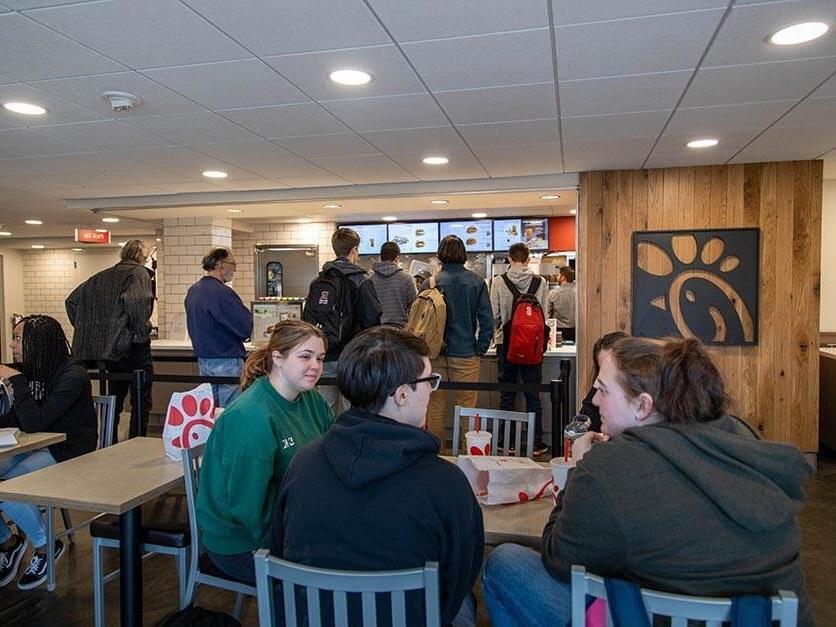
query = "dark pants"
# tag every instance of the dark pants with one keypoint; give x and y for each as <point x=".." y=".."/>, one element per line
<point x="138" y="358"/>
<point x="239" y="566"/>
<point x="513" y="373"/>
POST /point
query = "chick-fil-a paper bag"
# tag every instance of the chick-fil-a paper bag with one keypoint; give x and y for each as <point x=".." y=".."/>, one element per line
<point x="498" y="479"/>
<point x="189" y="420"/>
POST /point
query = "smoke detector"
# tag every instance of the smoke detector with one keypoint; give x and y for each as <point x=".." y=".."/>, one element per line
<point x="121" y="101"/>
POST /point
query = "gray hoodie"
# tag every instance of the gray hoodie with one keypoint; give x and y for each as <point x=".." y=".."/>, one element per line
<point x="502" y="299"/>
<point x="396" y="291"/>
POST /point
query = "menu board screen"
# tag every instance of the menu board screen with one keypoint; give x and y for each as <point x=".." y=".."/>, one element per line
<point x="372" y="237"/>
<point x="415" y="237"/>
<point x="505" y="233"/>
<point x="535" y="233"/>
<point x="477" y="235"/>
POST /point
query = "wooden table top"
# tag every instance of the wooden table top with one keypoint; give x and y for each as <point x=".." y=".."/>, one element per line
<point x="31" y="441"/>
<point x="112" y="480"/>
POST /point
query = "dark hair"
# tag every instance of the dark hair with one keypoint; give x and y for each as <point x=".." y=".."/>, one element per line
<point x="215" y="256"/>
<point x="604" y="342"/>
<point x="344" y="240"/>
<point x="389" y="251"/>
<point x="45" y="349"/>
<point x="284" y="336"/>
<point x="567" y="273"/>
<point x="451" y="250"/>
<point x="518" y="252"/>
<point x="376" y="362"/>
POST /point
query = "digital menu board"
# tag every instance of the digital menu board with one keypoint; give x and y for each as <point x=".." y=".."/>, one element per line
<point x="415" y="237"/>
<point x="477" y="235"/>
<point x="535" y="233"/>
<point x="372" y="237"/>
<point x="505" y="233"/>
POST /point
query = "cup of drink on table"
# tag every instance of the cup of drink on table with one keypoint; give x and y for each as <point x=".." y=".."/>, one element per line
<point x="478" y="442"/>
<point x="575" y="429"/>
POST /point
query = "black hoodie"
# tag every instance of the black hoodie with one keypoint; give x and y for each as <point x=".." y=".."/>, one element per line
<point x="372" y="494"/>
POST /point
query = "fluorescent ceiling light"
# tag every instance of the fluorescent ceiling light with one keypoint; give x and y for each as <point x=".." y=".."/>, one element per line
<point x="389" y="218"/>
<point x="5" y="233"/>
<point x="350" y="77"/>
<point x="215" y="174"/>
<point x="78" y="250"/>
<point x="798" y="33"/>
<point x="101" y="230"/>
<point x="24" y="107"/>
<point x="111" y="220"/>
<point x="435" y="160"/>
<point x="573" y="211"/>
<point x="702" y="143"/>
<point x="304" y="220"/>
<point x="332" y="206"/>
<point x="34" y="222"/>
<point x="439" y="202"/>
<point x="37" y="246"/>
<point x="549" y="197"/>
<point x="479" y="215"/>
<point x="234" y="210"/>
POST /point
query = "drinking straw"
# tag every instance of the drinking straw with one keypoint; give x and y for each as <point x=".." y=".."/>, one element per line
<point x="478" y="422"/>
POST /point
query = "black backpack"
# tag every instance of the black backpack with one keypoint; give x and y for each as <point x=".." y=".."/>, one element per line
<point x="194" y="616"/>
<point x="330" y="306"/>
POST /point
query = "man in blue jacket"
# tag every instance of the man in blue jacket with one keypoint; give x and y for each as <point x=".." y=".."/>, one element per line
<point x="218" y="323"/>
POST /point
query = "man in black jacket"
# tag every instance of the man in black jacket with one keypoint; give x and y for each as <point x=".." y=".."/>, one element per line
<point x="372" y="493"/>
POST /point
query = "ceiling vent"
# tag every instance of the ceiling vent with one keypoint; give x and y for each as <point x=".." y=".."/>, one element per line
<point x="121" y="101"/>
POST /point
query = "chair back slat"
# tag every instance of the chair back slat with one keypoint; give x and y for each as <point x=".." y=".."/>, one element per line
<point x="314" y="619"/>
<point x="191" y="474"/>
<point x="369" y="610"/>
<point x="713" y="623"/>
<point x="399" y="608"/>
<point x="289" y="595"/>
<point x="497" y="421"/>
<point x="679" y="621"/>
<point x="340" y="608"/>
<point x="105" y="407"/>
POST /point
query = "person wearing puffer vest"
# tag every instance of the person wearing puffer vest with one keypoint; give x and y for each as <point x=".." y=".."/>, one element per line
<point x="395" y="288"/>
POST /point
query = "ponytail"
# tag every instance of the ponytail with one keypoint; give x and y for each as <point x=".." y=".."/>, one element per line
<point x="691" y="388"/>
<point x="258" y="364"/>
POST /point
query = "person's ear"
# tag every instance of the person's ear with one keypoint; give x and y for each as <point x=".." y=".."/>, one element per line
<point x="644" y="406"/>
<point x="278" y="359"/>
<point x="400" y="396"/>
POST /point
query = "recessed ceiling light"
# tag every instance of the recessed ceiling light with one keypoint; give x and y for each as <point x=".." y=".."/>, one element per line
<point x="549" y="197"/>
<point x="332" y="206"/>
<point x="34" y="222"/>
<point x="215" y="174"/>
<point x="798" y="33"/>
<point x="304" y="220"/>
<point x="350" y="77"/>
<point x="159" y="239"/>
<point x="5" y="233"/>
<point x="702" y="143"/>
<point x="389" y="218"/>
<point x="78" y="250"/>
<point x="573" y="211"/>
<point x="24" y="107"/>
<point x="439" y="202"/>
<point x="122" y="244"/>
<point x="234" y="210"/>
<point x="101" y="230"/>
<point x="479" y="215"/>
<point x="37" y="246"/>
<point x="435" y="160"/>
<point x="111" y="220"/>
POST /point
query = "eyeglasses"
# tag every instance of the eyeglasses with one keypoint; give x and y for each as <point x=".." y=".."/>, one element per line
<point x="434" y="380"/>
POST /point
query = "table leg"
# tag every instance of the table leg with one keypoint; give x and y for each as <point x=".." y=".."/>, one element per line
<point x="50" y="548"/>
<point x="130" y="562"/>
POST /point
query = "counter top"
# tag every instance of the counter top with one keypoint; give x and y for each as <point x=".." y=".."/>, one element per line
<point x="828" y="352"/>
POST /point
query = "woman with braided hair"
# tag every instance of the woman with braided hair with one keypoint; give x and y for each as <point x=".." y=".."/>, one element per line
<point x="49" y="391"/>
<point x="251" y="446"/>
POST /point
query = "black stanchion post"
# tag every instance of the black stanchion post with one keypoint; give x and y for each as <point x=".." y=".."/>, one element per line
<point x="566" y="411"/>
<point x="557" y="427"/>
<point x="102" y="381"/>
<point x="136" y="427"/>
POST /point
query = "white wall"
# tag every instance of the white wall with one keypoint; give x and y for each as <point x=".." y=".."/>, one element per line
<point x="828" y="257"/>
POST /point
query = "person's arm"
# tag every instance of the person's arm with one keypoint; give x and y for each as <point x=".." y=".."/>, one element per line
<point x="230" y="312"/>
<point x="495" y="304"/>
<point x="368" y="309"/>
<point x="485" y="319"/>
<point x="138" y="301"/>
<point x="71" y="304"/>
<point x="33" y="417"/>
<point x="253" y="467"/>
<point x="410" y="293"/>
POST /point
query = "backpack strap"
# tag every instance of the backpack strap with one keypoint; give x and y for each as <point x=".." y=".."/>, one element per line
<point x="534" y="285"/>
<point x="511" y="286"/>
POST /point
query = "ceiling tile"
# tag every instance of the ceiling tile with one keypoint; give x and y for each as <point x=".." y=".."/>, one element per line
<point x="20" y="5"/>
<point x="387" y="112"/>
<point x="812" y="112"/>
<point x="692" y="158"/>
<point x="499" y="104"/>
<point x="261" y="157"/>
<point x="361" y="169"/>
<point x="229" y="84"/>
<point x="522" y="160"/>
<point x="754" y="154"/>
<point x="416" y="139"/>
<point x="433" y="19"/>
<point x="328" y="146"/>
<point x="462" y="165"/>
<point x="151" y="33"/>
<point x="30" y="51"/>
<point x="390" y="71"/>
<point x="191" y="128"/>
<point x="319" y="180"/>
<point x="510" y="133"/>
<point x="29" y="143"/>
<point x="743" y="38"/>
<point x="757" y="83"/>
<point x="637" y="46"/>
<point x="575" y="11"/>
<point x="729" y="140"/>
<point x="287" y="120"/>
<point x="827" y="90"/>
<point x="483" y="61"/>
<point x="606" y="155"/>
<point x="59" y="111"/>
<point x="111" y="191"/>
<point x="727" y="117"/>
<point x="601" y="127"/>
<point x="625" y="94"/>
<point x="815" y="139"/>
<point x="105" y="135"/>
<point x="269" y="28"/>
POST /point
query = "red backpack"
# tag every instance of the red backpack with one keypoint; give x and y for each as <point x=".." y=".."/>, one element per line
<point x="525" y="335"/>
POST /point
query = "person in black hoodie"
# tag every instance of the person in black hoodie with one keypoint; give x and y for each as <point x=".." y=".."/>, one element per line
<point x="48" y="391"/>
<point x="372" y="494"/>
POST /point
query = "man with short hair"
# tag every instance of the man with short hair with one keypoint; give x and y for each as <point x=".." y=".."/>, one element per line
<point x="502" y="303"/>
<point x="372" y="494"/>
<point x="218" y="323"/>
<point x="395" y="289"/>
<point x="562" y="301"/>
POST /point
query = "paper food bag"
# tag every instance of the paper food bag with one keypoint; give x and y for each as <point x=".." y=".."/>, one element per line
<point x="498" y="480"/>
<point x="189" y="420"/>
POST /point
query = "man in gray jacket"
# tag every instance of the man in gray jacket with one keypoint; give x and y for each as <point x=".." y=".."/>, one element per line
<point x="394" y="287"/>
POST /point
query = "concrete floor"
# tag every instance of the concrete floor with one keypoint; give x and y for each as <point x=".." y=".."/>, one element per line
<point x="71" y="603"/>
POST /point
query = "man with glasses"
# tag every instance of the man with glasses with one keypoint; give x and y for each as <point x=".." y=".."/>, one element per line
<point x="372" y="493"/>
<point x="218" y="323"/>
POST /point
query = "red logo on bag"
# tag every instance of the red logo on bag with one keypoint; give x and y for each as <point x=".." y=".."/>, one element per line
<point x="199" y="418"/>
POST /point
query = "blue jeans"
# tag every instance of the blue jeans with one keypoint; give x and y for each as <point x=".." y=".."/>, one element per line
<point x="239" y="566"/>
<point x="519" y="591"/>
<point x="224" y="393"/>
<point x="514" y="373"/>
<point x="27" y="517"/>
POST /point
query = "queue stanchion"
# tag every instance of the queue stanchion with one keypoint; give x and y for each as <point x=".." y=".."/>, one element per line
<point x="557" y="426"/>
<point x="566" y="411"/>
<point x="137" y="384"/>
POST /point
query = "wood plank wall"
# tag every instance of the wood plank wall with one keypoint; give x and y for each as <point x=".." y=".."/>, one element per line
<point x="774" y="385"/>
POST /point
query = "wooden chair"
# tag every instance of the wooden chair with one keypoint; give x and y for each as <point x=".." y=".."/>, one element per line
<point x="680" y="608"/>
<point x="497" y="421"/>
<point x="342" y="583"/>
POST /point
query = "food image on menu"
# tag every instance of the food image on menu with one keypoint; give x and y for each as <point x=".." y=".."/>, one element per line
<point x="420" y="244"/>
<point x="471" y="241"/>
<point x="476" y="235"/>
<point x="414" y="237"/>
<point x="419" y="232"/>
<point x="506" y="233"/>
<point x="400" y="240"/>
<point x="535" y="233"/>
<point x="472" y="229"/>
<point x="371" y="237"/>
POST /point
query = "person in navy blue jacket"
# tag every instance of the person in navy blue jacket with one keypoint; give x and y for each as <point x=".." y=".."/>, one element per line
<point x="218" y="323"/>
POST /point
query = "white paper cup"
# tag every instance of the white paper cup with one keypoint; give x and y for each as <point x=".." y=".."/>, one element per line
<point x="478" y="442"/>
<point x="560" y="472"/>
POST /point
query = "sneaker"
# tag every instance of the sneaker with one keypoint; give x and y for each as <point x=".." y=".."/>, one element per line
<point x="35" y="573"/>
<point x="540" y="450"/>
<point x="10" y="561"/>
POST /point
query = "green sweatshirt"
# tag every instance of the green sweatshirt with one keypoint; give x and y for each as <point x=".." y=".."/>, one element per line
<point x="245" y="458"/>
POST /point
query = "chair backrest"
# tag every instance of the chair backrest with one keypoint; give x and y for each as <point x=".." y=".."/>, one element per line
<point x="679" y="607"/>
<point x="105" y="407"/>
<point x="494" y="420"/>
<point x="341" y="583"/>
<point x="191" y="458"/>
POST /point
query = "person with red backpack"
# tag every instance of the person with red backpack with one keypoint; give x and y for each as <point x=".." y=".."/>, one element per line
<point x="518" y="299"/>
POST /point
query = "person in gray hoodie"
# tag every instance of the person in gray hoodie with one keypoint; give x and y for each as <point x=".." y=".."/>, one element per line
<point x="674" y="495"/>
<point x="394" y="287"/>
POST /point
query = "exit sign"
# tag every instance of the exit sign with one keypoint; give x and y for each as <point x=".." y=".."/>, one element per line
<point x="92" y="236"/>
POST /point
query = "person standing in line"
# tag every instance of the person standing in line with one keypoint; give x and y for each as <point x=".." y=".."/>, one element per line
<point x="502" y="303"/>
<point x="467" y="333"/>
<point x="218" y="323"/>
<point x="395" y="289"/>
<point x="562" y="301"/>
<point x="111" y="315"/>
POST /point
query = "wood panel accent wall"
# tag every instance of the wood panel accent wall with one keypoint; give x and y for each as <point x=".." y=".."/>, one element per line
<point x="775" y="385"/>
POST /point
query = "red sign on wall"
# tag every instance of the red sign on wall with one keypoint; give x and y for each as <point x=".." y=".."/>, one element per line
<point x="92" y="236"/>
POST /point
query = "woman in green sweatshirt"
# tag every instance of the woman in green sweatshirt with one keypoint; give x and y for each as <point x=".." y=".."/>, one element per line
<point x="253" y="442"/>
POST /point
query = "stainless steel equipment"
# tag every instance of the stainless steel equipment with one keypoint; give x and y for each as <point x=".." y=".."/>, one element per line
<point x="285" y="271"/>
